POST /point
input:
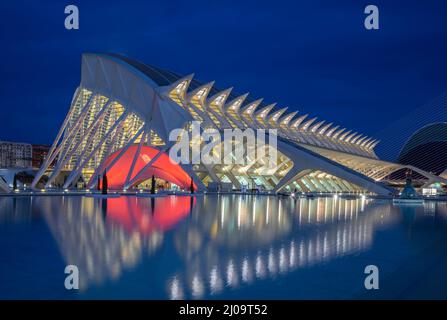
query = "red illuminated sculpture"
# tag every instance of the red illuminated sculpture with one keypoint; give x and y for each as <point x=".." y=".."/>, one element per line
<point x="162" y="168"/>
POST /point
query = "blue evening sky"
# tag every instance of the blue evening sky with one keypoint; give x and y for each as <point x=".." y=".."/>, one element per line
<point x="312" y="56"/>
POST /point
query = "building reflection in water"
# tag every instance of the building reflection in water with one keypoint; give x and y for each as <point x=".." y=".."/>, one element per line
<point x="105" y="237"/>
<point x="227" y="242"/>
<point x="251" y="238"/>
<point x="436" y="209"/>
<point x="15" y="209"/>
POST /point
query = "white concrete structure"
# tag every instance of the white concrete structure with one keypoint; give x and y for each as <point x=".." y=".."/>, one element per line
<point x="121" y="103"/>
<point x="3" y="185"/>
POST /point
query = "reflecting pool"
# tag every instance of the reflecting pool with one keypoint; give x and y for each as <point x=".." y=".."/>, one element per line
<point x="221" y="247"/>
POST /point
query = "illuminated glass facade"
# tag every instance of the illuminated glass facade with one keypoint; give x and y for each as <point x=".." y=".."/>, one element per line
<point x="122" y="103"/>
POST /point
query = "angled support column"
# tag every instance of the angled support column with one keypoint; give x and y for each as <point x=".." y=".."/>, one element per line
<point x="128" y="145"/>
<point x="79" y="169"/>
<point x="188" y="169"/>
<point x="211" y="173"/>
<point x="208" y="168"/>
<point x="4" y="186"/>
<point x="68" y="140"/>
<point x="107" y="154"/>
<point x="92" y="127"/>
<point x="90" y="135"/>
<point x="135" y="158"/>
<point x="62" y="129"/>
<point x="52" y="153"/>
<point x="124" y="149"/>
<point x="312" y="179"/>
<point x="294" y="174"/>
<point x="338" y="184"/>
<point x="309" y="184"/>
<point x="233" y="179"/>
<point x="71" y="132"/>
<point x="346" y="184"/>
<point x="147" y="166"/>
<point x="382" y="173"/>
<point x="302" y="185"/>
<point x="331" y="182"/>
<point x="267" y="184"/>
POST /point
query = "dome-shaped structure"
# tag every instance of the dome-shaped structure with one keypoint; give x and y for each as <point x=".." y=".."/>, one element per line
<point x="162" y="168"/>
<point x="427" y="149"/>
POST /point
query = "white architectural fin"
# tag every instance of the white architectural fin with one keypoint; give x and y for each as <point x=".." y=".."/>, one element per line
<point x="307" y="124"/>
<point x="167" y="116"/>
<point x="348" y="138"/>
<point x="180" y="86"/>
<point x="236" y="103"/>
<point x="251" y="107"/>
<point x="365" y="143"/>
<point x="315" y="127"/>
<point x="200" y="93"/>
<point x="354" y="140"/>
<point x="325" y="128"/>
<point x="264" y="111"/>
<point x="298" y="121"/>
<point x="275" y="116"/>
<point x="284" y="121"/>
<point x="336" y="134"/>
<point x="369" y="144"/>
<point x="359" y="141"/>
<point x="331" y="131"/>
<point x="372" y="144"/>
<point x="343" y="136"/>
<point x="220" y="97"/>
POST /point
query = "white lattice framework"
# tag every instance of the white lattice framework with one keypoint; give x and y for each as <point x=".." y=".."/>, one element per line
<point x="121" y="103"/>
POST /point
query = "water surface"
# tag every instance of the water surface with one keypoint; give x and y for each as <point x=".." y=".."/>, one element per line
<point x="220" y="247"/>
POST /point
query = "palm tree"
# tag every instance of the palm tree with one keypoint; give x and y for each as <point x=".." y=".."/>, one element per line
<point x="98" y="187"/>
<point x="153" y="185"/>
<point x="104" y="183"/>
<point x="14" y="182"/>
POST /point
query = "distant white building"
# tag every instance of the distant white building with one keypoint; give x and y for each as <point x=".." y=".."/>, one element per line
<point x="15" y="155"/>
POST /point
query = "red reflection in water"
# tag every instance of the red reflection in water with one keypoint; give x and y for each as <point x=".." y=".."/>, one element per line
<point x="145" y="215"/>
<point x="162" y="168"/>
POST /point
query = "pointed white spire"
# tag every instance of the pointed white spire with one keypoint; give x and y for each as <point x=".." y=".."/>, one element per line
<point x="343" y="136"/>
<point x="219" y="98"/>
<point x="353" y="140"/>
<point x="264" y="111"/>
<point x="331" y="131"/>
<point x="236" y="103"/>
<point x="307" y="124"/>
<point x="298" y="121"/>
<point x="348" y="138"/>
<point x="324" y="128"/>
<point x="359" y="141"/>
<point x="366" y="142"/>
<point x="372" y="144"/>
<point x="315" y="127"/>
<point x="177" y="88"/>
<point x="336" y="134"/>
<point x="275" y="116"/>
<point x="284" y="121"/>
<point x="251" y="107"/>
<point x="201" y="92"/>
